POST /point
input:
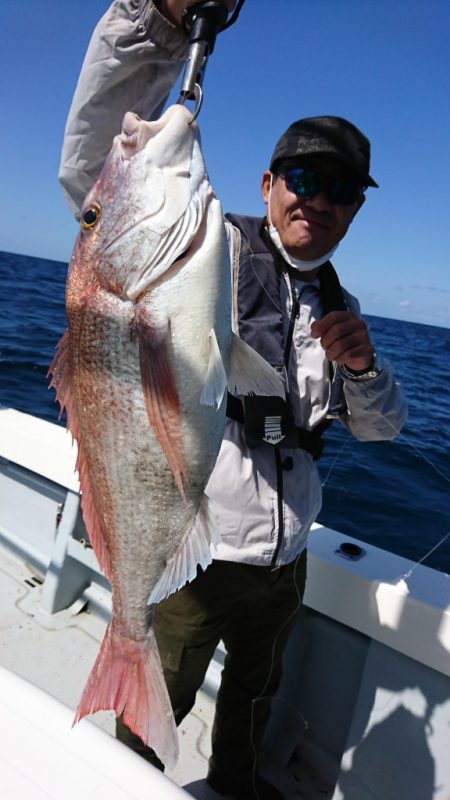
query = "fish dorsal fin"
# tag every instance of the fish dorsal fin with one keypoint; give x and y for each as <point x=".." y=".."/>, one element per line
<point x="62" y="382"/>
<point x="194" y="551"/>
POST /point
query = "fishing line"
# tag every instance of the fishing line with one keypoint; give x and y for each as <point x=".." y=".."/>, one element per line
<point x="417" y="449"/>
<point x="280" y="310"/>
<point x="426" y="460"/>
<point x="336" y="458"/>
<point x="421" y="560"/>
<point x="442" y="475"/>
<point x="262" y="695"/>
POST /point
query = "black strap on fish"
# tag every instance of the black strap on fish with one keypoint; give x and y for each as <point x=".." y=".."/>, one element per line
<point x="234" y="15"/>
<point x="261" y="324"/>
<point x="192" y="13"/>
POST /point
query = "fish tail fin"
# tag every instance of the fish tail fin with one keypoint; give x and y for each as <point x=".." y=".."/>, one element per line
<point x="127" y="677"/>
<point x="250" y="373"/>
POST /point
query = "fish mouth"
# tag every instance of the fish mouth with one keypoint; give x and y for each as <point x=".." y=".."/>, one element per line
<point x="137" y="133"/>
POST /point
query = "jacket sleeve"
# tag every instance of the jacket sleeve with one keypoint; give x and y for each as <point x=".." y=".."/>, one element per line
<point x="132" y="62"/>
<point x="376" y="408"/>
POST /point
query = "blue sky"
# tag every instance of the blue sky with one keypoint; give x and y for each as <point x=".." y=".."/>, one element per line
<point x="384" y="64"/>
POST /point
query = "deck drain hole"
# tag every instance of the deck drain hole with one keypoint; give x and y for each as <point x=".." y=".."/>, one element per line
<point x="34" y="581"/>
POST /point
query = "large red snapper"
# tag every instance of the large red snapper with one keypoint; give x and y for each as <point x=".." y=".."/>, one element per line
<point x="142" y="371"/>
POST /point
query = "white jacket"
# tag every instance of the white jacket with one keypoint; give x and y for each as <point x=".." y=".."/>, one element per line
<point x="263" y="511"/>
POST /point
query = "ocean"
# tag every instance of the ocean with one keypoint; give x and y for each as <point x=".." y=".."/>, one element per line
<point x="391" y="494"/>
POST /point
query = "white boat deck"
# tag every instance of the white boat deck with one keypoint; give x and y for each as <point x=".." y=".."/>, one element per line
<point x="56" y="651"/>
<point x="372" y="684"/>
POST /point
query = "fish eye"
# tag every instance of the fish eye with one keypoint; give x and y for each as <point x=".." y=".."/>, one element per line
<point x="90" y="217"/>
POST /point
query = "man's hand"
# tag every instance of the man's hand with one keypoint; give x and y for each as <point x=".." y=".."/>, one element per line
<point x="173" y="9"/>
<point x="345" y="339"/>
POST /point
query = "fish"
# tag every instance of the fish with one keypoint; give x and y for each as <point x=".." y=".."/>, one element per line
<point x="142" y="372"/>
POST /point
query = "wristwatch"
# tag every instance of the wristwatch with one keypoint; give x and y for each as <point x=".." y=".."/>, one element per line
<point x="372" y="371"/>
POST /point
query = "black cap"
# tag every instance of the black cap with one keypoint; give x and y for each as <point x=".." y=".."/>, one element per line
<point x="328" y="136"/>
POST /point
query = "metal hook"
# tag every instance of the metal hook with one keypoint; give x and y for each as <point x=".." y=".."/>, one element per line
<point x="198" y="97"/>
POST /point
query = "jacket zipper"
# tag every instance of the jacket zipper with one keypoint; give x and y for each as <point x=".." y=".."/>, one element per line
<point x="280" y="533"/>
<point x="278" y="462"/>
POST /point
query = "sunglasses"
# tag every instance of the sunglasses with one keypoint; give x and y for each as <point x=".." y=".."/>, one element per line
<point x="307" y="183"/>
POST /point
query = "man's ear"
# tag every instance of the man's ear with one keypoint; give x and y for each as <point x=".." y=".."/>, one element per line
<point x="266" y="180"/>
<point x="356" y="207"/>
<point x="360" y="202"/>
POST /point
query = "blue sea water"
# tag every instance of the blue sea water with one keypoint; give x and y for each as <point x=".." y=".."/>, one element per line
<point x="392" y="494"/>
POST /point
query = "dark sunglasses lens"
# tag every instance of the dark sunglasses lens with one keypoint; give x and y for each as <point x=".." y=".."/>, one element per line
<point x="343" y="193"/>
<point x="304" y="182"/>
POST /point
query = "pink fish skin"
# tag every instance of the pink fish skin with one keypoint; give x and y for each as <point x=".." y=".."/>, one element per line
<point x="149" y="337"/>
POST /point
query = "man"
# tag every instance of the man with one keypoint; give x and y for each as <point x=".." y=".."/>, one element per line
<point x="265" y="490"/>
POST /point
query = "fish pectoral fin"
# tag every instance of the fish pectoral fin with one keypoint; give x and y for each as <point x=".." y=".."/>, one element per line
<point x="216" y="377"/>
<point x="250" y="373"/>
<point x="127" y="677"/>
<point x="194" y="551"/>
<point x="160" y="391"/>
<point x="62" y="382"/>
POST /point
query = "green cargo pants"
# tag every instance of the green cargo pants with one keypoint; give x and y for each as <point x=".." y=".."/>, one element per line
<point x="251" y="608"/>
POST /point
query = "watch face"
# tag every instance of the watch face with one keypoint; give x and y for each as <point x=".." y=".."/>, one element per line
<point x="371" y="374"/>
<point x="375" y="367"/>
<point x="372" y="371"/>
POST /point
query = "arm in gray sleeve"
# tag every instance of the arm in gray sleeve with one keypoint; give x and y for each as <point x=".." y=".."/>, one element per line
<point x="377" y="408"/>
<point x="132" y="62"/>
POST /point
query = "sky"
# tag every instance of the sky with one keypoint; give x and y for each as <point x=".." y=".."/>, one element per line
<point x="383" y="64"/>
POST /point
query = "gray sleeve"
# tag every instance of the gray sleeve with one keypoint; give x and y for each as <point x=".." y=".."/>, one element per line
<point x="377" y="408"/>
<point x="132" y="62"/>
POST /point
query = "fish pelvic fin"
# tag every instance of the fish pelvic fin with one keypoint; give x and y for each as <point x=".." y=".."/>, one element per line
<point x="250" y="373"/>
<point x="216" y="377"/>
<point x="160" y="393"/>
<point x="194" y="551"/>
<point x="61" y="381"/>
<point x="127" y="677"/>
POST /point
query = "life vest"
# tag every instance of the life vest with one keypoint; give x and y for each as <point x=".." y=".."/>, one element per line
<point x="260" y="317"/>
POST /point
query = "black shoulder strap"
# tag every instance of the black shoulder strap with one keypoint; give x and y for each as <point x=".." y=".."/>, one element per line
<point x="331" y="294"/>
<point x="333" y="299"/>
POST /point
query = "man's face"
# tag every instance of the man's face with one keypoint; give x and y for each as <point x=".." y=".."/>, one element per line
<point x="308" y="228"/>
